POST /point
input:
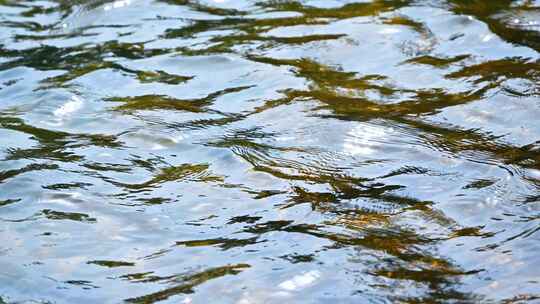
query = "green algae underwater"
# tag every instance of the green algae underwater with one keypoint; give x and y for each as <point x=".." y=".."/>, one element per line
<point x="279" y="151"/>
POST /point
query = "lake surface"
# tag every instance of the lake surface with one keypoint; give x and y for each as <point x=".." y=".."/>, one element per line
<point x="284" y="151"/>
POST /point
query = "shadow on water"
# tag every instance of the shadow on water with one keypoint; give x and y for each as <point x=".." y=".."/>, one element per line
<point x="269" y="151"/>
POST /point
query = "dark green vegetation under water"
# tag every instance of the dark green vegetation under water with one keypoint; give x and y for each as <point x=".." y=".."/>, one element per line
<point x="329" y="151"/>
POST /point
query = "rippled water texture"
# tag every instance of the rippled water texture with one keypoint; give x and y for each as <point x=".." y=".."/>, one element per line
<point x="280" y="151"/>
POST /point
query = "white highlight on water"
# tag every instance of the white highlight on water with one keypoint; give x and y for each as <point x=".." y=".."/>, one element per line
<point x="364" y="139"/>
<point x="116" y="4"/>
<point x="301" y="281"/>
<point x="73" y="105"/>
<point x="487" y="38"/>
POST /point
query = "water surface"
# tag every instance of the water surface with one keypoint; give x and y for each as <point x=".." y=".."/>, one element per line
<point x="280" y="151"/>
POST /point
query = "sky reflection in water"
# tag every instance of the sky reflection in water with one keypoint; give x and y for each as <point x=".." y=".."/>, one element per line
<point x="177" y="151"/>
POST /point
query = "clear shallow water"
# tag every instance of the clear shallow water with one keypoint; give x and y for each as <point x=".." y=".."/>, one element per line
<point x="269" y="152"/>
